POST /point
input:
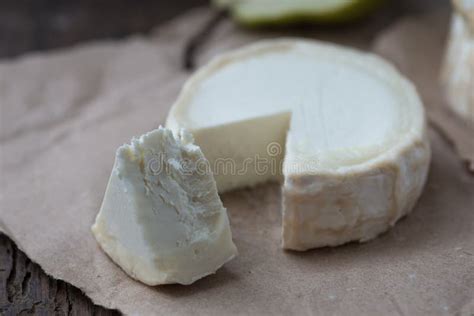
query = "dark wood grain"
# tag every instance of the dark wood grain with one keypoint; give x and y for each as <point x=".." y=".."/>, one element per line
<point x="32" y="25"/>
<point x="26" y="290"/>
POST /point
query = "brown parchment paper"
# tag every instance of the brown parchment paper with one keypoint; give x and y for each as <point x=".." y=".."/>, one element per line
<point x="64" y="113"/>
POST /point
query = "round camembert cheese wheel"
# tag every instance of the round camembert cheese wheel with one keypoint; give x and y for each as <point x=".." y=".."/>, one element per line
<point x="458" y="69"/>
<point x="343" y="129"/>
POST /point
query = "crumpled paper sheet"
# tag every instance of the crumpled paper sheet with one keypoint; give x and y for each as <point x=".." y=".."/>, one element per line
<point x="64" y="113"/>
<point x="417" y="46"/>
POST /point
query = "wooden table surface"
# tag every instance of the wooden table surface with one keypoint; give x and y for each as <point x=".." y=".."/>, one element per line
<point x="45" y="24"/>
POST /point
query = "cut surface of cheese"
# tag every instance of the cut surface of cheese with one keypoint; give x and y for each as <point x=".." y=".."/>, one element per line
<point x="344" y="130"/>
<point x="161" y="219"/>
<point x="458" y="68"/>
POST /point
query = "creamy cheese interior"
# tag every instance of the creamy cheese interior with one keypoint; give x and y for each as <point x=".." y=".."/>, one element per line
<point x="338" y="107"/>
<point x="151" y="170"/>
<point x="161" y="219"/>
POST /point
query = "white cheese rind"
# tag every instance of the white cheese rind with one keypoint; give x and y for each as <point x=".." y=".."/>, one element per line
<point x="356" y="154"/>
<point x="161" y="219"/>
<point x="458" y="68"/>
<point x="332" y="209"/>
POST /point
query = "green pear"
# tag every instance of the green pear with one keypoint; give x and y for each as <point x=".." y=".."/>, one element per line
<point x="283" y="12"/>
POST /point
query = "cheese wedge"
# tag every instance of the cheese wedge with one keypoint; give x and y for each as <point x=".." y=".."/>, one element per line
<point x="345" y="130"/>
<point x="458" y="68"/>
<point x="161" y="219"/>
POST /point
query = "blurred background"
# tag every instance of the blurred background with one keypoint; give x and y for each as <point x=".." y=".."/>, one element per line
<point x="32" y="25"/>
